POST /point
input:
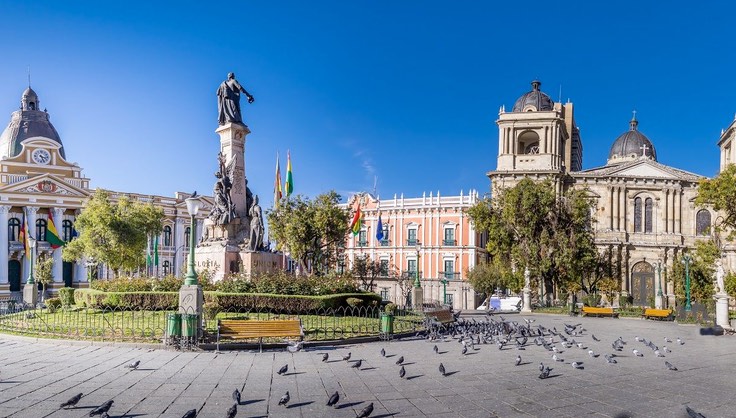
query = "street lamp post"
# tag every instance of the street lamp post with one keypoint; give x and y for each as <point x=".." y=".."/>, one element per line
<point x="417" y="294"/>
<point x="193" y="205"/>
<point x="444" y="282"/>
<point x="659" y="301"/>
<point x="191" y="297"/>
<point x="686" y="259"/>
<point x="30" y="293"/>
<point x="416" y="272"/>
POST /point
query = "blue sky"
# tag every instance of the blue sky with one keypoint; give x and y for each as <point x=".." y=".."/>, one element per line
<point x="406" y="91"/>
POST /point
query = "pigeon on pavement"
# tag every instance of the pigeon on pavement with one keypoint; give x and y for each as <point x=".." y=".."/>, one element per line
<point x="236" y="396"/>
<point x="192" y="413"/>
<point x="670" y="366"/>
<point x="383" y="352"/>
<point x="436" y="350"/>
<point x="692" y="413"/>
<point x="325" y="356"/>
<point x="442" y="370"/>
<point x="357" y="364"/>
<point x="285" y="399"/>
<point x="134" y="365"/>
<point x="518" y="361"/>
<point x="232" y="411"/>
<point x="637" y="353"/>
<point x="366" y="411"/>
<point x="346" y="357"/>
<point x="72" y="401"/>
<point x="102" y="408"/>
<point x="400" y="360"/>
<point x="577" y="365"/>
<point x="402" y="372"/>
<point x="334" y="399"/>
<point x="283" y="369"/>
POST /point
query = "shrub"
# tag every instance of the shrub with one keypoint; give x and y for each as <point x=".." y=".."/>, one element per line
<point x="139" y="284"/>
<point x="235" y="284"/>
<point x="284" y="303"/>
<point x="152" y="301"/>
<point x="354" y="302"/>
<point x="53" y="304"/>
<point x="210" y="310"/>
<point x="592" y="299"/>
<point x="66" y="295"/>
<point x="283" y="283"/>
<point x="390" y="309"/>
<point x="168" y="283"/>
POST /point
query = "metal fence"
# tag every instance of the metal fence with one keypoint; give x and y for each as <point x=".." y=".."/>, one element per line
<point x="127" y="325"/>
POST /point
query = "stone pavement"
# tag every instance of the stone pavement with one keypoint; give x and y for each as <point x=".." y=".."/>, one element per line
<point x="35" y="377"/>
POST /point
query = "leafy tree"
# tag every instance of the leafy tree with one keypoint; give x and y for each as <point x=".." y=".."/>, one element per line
<point x="312" y="231"/>
<point x="529" y="226"/>
<point x="702" y="269"/>
<point x="720" y="193"/>
<point x="114" y="233"/>
<point x="487" y="277"/>
<point x="42" y="271"/>
<point x="367" y="271"/>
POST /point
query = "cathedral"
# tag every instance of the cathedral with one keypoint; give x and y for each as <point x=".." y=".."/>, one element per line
<point x="644" y="211"/>
<point x="38" y="186"/>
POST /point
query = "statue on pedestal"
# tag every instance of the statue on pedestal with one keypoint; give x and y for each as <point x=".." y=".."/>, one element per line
<point x="223" y="209"/>
<point x="228" y="101"/>
<point x="256" y="226"/>
<point x="720" y="274"/>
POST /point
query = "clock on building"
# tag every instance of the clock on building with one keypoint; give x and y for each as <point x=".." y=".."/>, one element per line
<point x="41" y="156"/>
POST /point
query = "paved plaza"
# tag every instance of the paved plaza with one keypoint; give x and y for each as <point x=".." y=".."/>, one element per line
<point x="36" y="376"/>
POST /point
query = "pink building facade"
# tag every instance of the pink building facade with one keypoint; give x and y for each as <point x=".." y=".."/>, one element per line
<point x="429" y="236"/>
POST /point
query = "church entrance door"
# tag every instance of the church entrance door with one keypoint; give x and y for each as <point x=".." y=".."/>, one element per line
<point x="14" y="275"/>
<point x="642" y="283"/>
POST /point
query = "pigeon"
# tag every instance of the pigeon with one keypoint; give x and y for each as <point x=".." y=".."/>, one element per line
<point x="283" y="369"/>
<point x="667" y="340"/>
<point x="465" y="350"/>
<point x="637" y="353"/>
<point x="346" y="357"/>
<point x="232" y="411"/>
<point x="357" y="364"/>
<point x="577" y="365"/>
<point x="594" y="338"/>
<point x="545" y="373"/>
<point x="541" y="366"/>
<point x="610" y="359"/>
<point x="442" y="370"/>
<point x="638" y="339"/>
<point x="325" y="356"/>
<point x="593" y="354"/>
<point x="293" y="347"/>
<point x="658" y="353"/>
<point x="400" y="360"/>
<point x="670" y="366"/>
<point x="666" y="350"/>
<point x="133" y="365"/>
<point x="236" y="396"/>
<point x="383" y="353"/>
<point x="402" y="372"/>
<point x="285" y="399"/>
<point x="679" y="341"/>
<point x="555" y="358"/>
<point x="436" y="350"/>
<point x="334" y="399"/>
<point x="366" y="411"/>
<point x="102" y="409"/>
<point x="72" y="401"/>
<point x="192" y="413"/>
<point x="692" y="413"/>
<point x="518" y="361"/>
<point x="194" y="194"/>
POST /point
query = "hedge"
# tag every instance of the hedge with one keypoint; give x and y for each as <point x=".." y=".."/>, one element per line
<point x="222" y="301"/>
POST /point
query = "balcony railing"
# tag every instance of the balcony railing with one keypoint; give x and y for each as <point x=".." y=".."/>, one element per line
<point x="412" y="273"/>
<point x="449" y="242"/>
<point x="450" y="275"/>
<point x="412" y="242"/>
<point x="385" y="243"/>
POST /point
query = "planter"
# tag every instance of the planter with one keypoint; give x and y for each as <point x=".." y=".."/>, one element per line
<point x="173" y="325"/>
<point x="387" y="323"/>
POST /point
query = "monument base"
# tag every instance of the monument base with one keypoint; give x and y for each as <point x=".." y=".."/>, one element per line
<point x="191" y="301"/>
<point x="417" y="298"/>
<point x="30" y="294"/>
<point x="527" y="308"/>
<point x="223" y="259"/>
<point x="722" y="310"/>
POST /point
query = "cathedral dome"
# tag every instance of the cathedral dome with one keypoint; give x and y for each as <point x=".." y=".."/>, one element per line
<point x="534" y="100"/>
<point x="27" y="122"/>
<point x="631" y="145"/>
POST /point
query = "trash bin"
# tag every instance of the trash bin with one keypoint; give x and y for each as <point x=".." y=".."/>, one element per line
<point x="387" y="323"/>
<point x="189" y="325"/>
<point x="173" y="325"/>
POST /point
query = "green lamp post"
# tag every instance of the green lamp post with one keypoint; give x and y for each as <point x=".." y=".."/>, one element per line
<point x="686" y="259"/>
<point x="417" y="283"/>
<point x="659" y="302"/>
<point x="31" y="248"/>
<point x="193" y="205"/>
<point x="444" y="282"/>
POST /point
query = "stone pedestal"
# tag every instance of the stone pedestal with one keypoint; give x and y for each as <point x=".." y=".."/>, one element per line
<point x="219" y="257"/>
<point x="417" y="298"/>
<point x="659" y="301"/>
<point x="527" y="299"/>
<point x="232" y="146"/>
<point x="30" y="294"/>
<point x="722" y="310"/>
<point x="191" y="300"/>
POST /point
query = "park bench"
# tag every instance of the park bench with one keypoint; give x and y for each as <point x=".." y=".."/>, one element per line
<point x="661" y="314"/>
<point x="592" y="311"/>
<point x="441" y="316"/>
<point x="243" y="329"/>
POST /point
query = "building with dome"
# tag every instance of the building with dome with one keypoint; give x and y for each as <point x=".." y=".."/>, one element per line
<point x="644" y="210"/>
<point x="37" y="183"/>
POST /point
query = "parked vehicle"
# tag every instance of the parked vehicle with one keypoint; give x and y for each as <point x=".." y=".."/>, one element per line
<point x="501" y="304"/>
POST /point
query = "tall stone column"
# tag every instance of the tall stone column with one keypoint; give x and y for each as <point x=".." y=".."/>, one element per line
<point x="30" y="212"/>
<point x="232" y="146"/>
<point x="4" y="210"/>
<point x="58" y="268"/>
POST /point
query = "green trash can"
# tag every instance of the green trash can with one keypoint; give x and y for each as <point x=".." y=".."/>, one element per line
<point x="173" y="325"/>
<point x="387" y="323"/>
<point x="189" y="325"/>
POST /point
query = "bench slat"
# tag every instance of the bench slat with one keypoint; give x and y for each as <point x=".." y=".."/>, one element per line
<point x="252" y="328"/>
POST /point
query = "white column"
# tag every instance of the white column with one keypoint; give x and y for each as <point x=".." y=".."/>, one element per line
<point x="616" y="208"/>
<point x="622" y="209"/>
<point x="665" y="211"/>
<point x="4" y="209"/>
<point x="58" y="269"/>
<point x="678" y="211"/>
<point x="610" y="208"/>
<point x="30" y="212"/>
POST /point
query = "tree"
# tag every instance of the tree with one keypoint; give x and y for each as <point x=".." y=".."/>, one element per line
<point x="529" y="226"/>
<point x="720" y="193"/>
<point x="367" y="271"/>
<point x="487" y="277"/>
<point x="114" y="233"/>
<point x="313" y="232"/>
<point x="42" y="271"/>
<point x="702" y="269"/>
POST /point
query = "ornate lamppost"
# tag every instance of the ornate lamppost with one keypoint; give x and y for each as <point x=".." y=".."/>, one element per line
<point x="659" y="301"/>
<point x="444" y="282"/>
<point x="191" y="298"/>
<point x="193" y="205"/>
<point x="686" y="259"/>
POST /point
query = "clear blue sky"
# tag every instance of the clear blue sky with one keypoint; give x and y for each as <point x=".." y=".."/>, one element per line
<point x="404" y="90"/>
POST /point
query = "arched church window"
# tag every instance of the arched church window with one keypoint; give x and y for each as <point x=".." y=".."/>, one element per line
<point x="648" y="206"/>
<point x="41" y="229"/>
<point x="532" y="148"/>
<point x="67" y="230"/>
<point x="187" y="236"/>
<point x="167" y="236"/>
<point x="702" y="222"/>
<point x="13" y="229"/>
<point x="637" y="214"/>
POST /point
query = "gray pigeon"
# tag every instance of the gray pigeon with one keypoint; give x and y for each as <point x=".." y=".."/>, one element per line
<point x="541" y="366"/>
<point x="577" y="365"/>
<point x="357" y="364"/>
<point x="283" y="369"/>
<point x="670" y="366"/>
<point x="465" y="350"/>
<point x="367" y="411"/>
<point x="692" y="413"/>
<point x="72" y="401"/>
<point x="236" y="396"/>
<point x="383" y="353"/>
<point x="334" y="399"/>
<point x="102" y="408"/>
<point x="518" y="361"/>
<point x="436" y="350"/>
<point x="285" y="399"/>
<point x="325" y="356"/>
<point x="442" y="369"/>
<point x="346" y="357"/>
<point x="400" y="360"/>
<point x="232" y="411"/>
<point x="402" y="372"/>
<point x="192" y="413"/>
<point x="134" y="365"/>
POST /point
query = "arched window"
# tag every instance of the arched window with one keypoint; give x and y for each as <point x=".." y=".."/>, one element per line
<point x="13" y="229"/>
<point x="40" y="229"/>
<point x="167" y="236"/>
<point x="187" y="236"/>
<point x="67" y="230"/>
<point x="648" y="204"/>
<point x="167" y="267"/>
<point x="702" y="222"/>
<point x="637" y="214"/>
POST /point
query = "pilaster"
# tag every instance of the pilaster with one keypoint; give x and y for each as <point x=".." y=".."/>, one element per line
<point x="4" y="210"/>
<point x="30" y="212"/>
<point x="58" y="268"/>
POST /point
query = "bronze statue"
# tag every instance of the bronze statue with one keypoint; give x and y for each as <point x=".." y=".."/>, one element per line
<point x="256" y="226"/>
<point x="228" y="100"/>
<point x="223" y="209"/>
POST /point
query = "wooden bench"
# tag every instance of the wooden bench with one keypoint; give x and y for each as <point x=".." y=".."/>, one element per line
<point x="242" y="329"/>
<point x="661" y="314"/>
<point x="592" y="311"/>
<point x="443" y="316"/>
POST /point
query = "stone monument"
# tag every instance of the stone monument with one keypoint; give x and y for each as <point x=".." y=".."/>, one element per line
<point x="527" y="291"/>
<point x="232" y="236"/>
<point x="721" y="297"/>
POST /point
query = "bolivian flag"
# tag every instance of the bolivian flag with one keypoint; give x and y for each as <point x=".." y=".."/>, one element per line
<point x="52" y="234"/>
<point x="357" y="223"/>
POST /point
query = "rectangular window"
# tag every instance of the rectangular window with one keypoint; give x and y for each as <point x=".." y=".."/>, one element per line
<point x="384" y="268"/>
<point x="450" y="299"/>
<point x="384" y="294"/>
<point x="411" y="237"/>
<point x="412" y="266"/>
<point x="384" y="241"/>
<point x="449" y="236"/>
<point x="449" y="269"/>
<point x="362" y="239"/>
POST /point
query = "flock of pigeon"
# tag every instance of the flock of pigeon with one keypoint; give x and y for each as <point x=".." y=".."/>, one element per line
<point x="471" y="335"/>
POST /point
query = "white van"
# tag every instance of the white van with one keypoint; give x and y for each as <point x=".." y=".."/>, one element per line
<point x="501" y="304"/>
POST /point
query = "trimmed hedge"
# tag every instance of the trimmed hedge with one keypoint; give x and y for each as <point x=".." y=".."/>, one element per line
<point x="149" y="301"/>
<point x="66" y="294"/>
